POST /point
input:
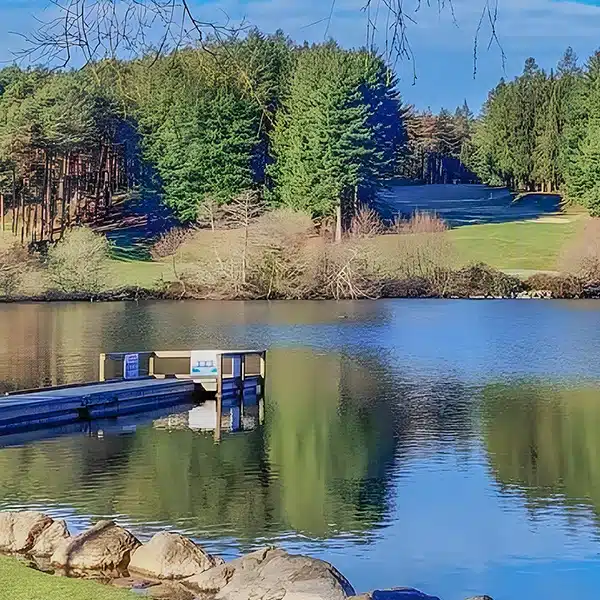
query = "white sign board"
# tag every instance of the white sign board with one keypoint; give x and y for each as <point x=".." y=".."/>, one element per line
<point x="204" y="364"/>
<point x="131" y="366"/>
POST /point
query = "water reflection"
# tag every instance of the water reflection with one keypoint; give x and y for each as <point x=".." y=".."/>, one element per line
<point x="543" y="441"/>
<point x="411" y="443"/>
<point x="319" y="466"/>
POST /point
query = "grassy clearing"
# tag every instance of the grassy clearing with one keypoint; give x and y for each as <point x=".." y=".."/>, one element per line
<point x="527" y="245"/>
<point x="518" y="247"/>
<point x="19" y="582"/>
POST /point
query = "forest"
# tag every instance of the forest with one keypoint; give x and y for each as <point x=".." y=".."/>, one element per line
<point x="541" y="132"/>
<point x="315" y="128"/>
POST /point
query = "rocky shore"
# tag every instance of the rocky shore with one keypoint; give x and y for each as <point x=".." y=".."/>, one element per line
<point x="172" y="567"/>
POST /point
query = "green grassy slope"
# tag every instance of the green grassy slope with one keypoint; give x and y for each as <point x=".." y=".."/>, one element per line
<point x="19" y="582"/>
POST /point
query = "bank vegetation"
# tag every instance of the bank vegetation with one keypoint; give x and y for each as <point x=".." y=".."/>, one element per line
<point x="283" y="254"/>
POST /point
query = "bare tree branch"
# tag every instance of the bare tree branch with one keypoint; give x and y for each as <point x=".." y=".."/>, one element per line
<point x="400" y="15"/>
<point x="92" y="30"/>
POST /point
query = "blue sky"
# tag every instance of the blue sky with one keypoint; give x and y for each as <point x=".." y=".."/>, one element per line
<point x="443" y="48"/>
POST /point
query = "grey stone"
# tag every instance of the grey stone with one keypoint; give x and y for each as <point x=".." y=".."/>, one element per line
<point x="171" y="556"/>
<point x="50" y="539"/>
<point x="272" y="574"/>
<point x="106" y="547"/>
<point x="19" y="531"/>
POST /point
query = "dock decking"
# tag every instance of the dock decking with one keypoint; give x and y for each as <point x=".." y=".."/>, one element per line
<point x="61" y="406"/>
<point x="139" y="382"/>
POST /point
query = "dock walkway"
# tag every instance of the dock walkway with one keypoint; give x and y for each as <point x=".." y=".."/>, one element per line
<point x="61" y="406"/>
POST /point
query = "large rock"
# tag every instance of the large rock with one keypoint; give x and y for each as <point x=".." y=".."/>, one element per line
<point x="272" y="574"/>
<point x="397" y="594"/>
<point x="50" y="540"/>
<point x="19" y="531"/>
<point x="171" y="556"/>
<point x="170" y="590"/>
<point x="106" y="547"/>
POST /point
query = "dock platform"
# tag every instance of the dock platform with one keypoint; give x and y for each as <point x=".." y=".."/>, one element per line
<point x="61" y="406"/>
<point x="131" y="383"/>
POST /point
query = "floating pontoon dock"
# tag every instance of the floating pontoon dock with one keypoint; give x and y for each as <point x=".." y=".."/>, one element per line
<point x="136" y="382"/>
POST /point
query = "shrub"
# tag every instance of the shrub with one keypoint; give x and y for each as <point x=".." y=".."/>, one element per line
<point x="481" y="280"/>
<point x="366" y="223"/>
<point x="15" y="262"/>
<point x="79" y="262"/>
<point x="168" y="243"/>
<point x="560" y="286"/>
<point x="420" y="222"/>
<point x="423" y="255"/>
<point x="581" y="258"/>
<point x="414" y="287"/>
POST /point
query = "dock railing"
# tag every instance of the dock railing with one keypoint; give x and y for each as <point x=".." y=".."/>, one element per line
<point x="224" y="372"/>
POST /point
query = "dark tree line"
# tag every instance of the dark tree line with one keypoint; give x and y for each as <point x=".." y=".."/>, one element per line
<point x="437" y="146"/>
<point x="541" y="131"/>
<point x="61" y="160"/>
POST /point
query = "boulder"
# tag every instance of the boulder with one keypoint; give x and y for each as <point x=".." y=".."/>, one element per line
<point x="170" y="590"/>
<point x="19" y="531"/>
<point x="171" y="556"/>
<point x="397" y="594"/>
<point x="272" y="574"/>
<point x="106" y="547"/>
<point x="50" y="539"/>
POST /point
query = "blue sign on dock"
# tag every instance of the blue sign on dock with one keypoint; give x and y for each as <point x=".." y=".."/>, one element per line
<point x="131" y="366"/>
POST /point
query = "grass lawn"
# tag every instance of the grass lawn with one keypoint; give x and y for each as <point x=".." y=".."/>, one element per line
<point x="527" y="245"/>
<point x="520" y="247"/>
<point x="19" y="582"/>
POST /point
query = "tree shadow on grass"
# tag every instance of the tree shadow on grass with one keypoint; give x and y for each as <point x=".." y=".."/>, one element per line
<point x="134" y="225"/>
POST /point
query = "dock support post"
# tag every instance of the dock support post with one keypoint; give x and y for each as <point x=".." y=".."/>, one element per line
<point x="219" y="403"/>
<point x="101" y="372"/>
<point x="263" y="373"/>
<point x="151" y="365"/>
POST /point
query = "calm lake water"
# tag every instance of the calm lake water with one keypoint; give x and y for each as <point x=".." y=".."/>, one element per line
<point x="453" y="446"/>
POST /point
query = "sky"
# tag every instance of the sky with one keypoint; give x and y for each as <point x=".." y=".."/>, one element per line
<point x="442" y="41"/>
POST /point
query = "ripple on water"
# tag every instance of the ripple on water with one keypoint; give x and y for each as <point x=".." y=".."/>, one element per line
<point x="448" y="446"/>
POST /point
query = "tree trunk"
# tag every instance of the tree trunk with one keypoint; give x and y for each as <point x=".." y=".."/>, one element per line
<point x="22" y="204"/>
<point x="15" y="204"/>
<point x="50" y="203"/>
<point x="338" y="222"/>
<point x="35" y="222"/>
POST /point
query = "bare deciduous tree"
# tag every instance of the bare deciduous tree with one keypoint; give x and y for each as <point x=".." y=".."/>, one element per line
<point x="93" y="30"/>
<point x="99" y="29"/>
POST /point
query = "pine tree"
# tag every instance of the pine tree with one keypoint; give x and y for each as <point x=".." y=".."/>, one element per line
<point x="335" y="138"/>
<point x="200" y="129"/>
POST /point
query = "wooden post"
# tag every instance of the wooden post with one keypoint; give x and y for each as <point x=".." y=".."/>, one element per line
<point x="263" y="373"/>
<point x="101" y="372"/>
<point x="219" y="403"/>
<point x="151" y="365"/>
<point x="242" y="374"/>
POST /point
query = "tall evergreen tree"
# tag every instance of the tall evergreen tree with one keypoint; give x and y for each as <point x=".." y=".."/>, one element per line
<point x="335" y="138"/>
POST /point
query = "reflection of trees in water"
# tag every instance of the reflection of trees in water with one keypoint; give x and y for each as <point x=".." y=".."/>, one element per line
<point x="337" y="431"/>
<point x="544" y="441"/>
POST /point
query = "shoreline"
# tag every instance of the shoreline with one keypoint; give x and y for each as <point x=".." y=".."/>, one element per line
<point x="141" y="295"/>
<point x="171" y="566"/>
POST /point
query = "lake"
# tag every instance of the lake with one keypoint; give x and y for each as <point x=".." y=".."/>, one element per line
<point x="446" y="445"/>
